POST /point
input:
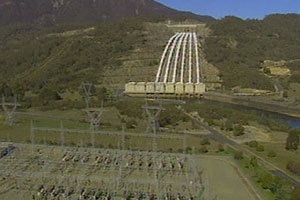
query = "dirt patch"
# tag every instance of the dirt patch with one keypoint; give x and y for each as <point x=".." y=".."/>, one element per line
<point x="280" y="71"/>
<point x="260" y="134"/>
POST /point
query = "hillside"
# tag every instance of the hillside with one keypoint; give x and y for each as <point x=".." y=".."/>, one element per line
<point x="51" y="61"/>
<point x="34" y="59"/>
<point x="239" y="48"/>
<point x="51" y="12"/>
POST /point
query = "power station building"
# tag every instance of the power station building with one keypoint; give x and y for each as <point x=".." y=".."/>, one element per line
<point x="179" y="72"/>
<point x="140" y="88"/>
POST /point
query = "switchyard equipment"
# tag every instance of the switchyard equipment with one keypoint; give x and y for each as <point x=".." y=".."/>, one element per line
<point x="48" y="172"/>
<point x="179" y="71"/>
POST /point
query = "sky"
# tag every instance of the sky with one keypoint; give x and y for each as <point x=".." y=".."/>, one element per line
<point x="246" y="9"/>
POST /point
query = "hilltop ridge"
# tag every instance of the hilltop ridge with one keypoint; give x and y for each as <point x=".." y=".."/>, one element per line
<point x="50" y="12"/>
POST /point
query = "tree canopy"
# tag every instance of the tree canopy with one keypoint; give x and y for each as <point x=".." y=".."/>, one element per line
<point x="238" y="47"/>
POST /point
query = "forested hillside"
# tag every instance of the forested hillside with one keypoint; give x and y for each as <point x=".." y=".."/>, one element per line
<point x="239" y="47"/>
<point x="54" y="59"/>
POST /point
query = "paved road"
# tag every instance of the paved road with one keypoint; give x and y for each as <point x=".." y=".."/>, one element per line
<point x="214" y="134"/>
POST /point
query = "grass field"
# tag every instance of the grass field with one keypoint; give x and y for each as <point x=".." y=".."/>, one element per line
<point x="224" y="180"/>
<point x="282" y="157"/>
<point x="73" y="120"/>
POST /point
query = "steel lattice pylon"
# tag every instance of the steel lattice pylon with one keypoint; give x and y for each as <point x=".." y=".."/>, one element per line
<point x="9" y="109"/>
<point x="153" y="113"/>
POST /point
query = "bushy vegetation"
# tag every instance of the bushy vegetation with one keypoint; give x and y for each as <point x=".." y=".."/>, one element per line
<point x="170" y="116"/>
<point x="292" y="141"/>
<point x="296" y="193"/>
<point x="294" y="167"/>
<point x="238" y="47"/>
<point x="232" y="118"/>
<point x="131" y="108"/>
<point x="47" y="60"/>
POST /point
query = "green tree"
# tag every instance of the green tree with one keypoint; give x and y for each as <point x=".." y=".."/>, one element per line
<point x="293" y="167"/>
<point x="266" y="70"/>
<point x="253" y="162"/>
<point x="292" y="141"/>
<point x="260" y="148"/>
<point x="272" y="154"/>
<point x="253" y="144"/>
<point x="205" y="141"/>
<point x="267" y="181"/>
<point x="238" y="130"/>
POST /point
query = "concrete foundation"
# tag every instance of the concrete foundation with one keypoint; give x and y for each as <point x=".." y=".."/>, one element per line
<point x="150" y="87"/>
<point x="130" y="87"/>
<point x="189" y="88"/>
<point x="160" y="88"/>
<point x="181" y="89"/>
<point x="140" y="87"/>
<point x="199" y="88"/>
<point x="170" y="88"/>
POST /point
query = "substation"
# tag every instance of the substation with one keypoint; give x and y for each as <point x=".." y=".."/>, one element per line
<point x="45" y="172"/>
<point x="35" y="171"/>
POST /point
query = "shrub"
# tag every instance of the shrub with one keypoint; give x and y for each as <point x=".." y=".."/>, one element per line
<point x="130" y="124"/>
<point x="293" y="167"/>
<point x="238" y="155"/>
<point x="210" y="122"/>
<point x="203" y="149"/>
<point x="267" y="181"/>
<point x="272" y="154"/>
<point x="205" y="141"/>
<point x="179" y="150"/>
<point x="260" y="148"/>
<point x="253" y="161"/>
<point x="220" y="148"/>
<point x="238" y="130"/>
<point x="253" y="144"/>
<point x="292" y="141"/>
<point x="188" y="150"/>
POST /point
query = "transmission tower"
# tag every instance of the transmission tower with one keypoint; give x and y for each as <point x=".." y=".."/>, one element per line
<point x="87" y="88"/>
<point x="9" y="109"/>
<point x="94" y="116"/>
<point x="153" y="113"/>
